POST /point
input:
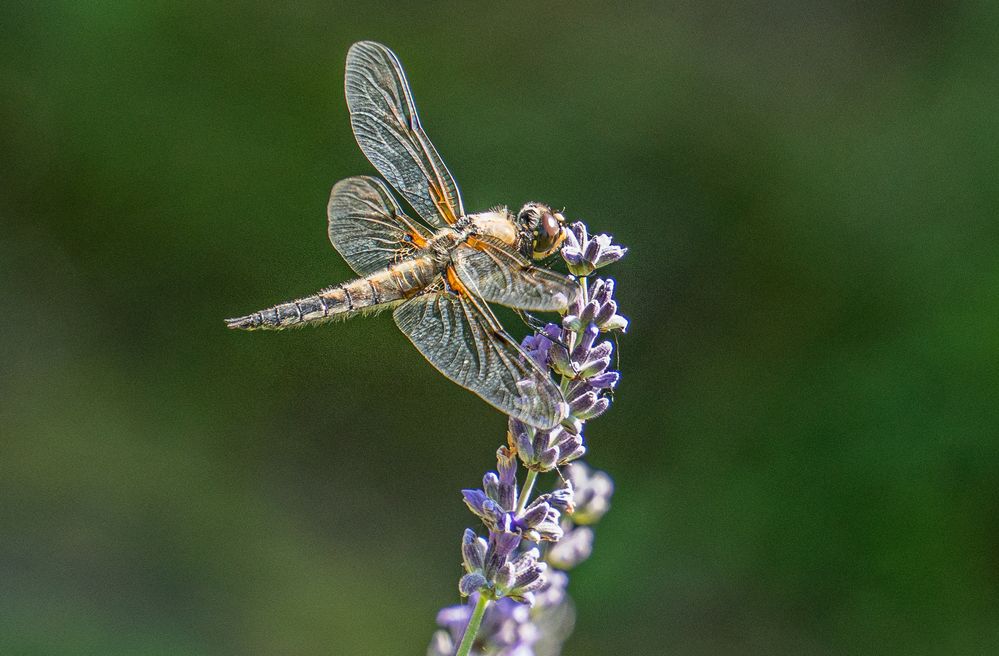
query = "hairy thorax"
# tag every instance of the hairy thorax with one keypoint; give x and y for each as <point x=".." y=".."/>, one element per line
<point x="499" y="224"/>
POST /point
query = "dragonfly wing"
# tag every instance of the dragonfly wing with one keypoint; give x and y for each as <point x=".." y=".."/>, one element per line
<point x="366" y="225"/>
<point x="465" y="342"/>
<point x="387" y="128"/>
<point x="499" y="275"/>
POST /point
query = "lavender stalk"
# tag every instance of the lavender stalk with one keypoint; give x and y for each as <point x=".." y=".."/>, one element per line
<point x="516" y="577"/>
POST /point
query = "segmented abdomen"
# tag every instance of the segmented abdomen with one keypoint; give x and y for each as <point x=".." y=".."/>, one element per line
<point x="376" y="291"/>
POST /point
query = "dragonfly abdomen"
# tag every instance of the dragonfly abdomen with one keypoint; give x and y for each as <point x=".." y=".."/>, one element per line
<point x="375" y="292"/>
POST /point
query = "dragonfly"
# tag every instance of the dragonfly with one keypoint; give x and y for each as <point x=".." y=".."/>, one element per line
<point x="437" y="274"/>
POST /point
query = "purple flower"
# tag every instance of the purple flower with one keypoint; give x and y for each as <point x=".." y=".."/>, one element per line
<point x="494" y="566"/>
<point x="543" y="450"/>
<point x="516" y="572"/>
<point x="597" y="308"/>
<point x="553" y="592"/>
<point x="574" y="548"/>
<point x="540" y="521"/>
<point x="498" y="495"/>
<point x="587" y="404"/>
<point x="538" y="345"/>
<point x="496" y="505"/>
<point x="584" y="254"/>
<point x="592" y="491"/>
<point x="520" y="577"/>
<point x="585" y="369"/>
<point x="507" y="629"/>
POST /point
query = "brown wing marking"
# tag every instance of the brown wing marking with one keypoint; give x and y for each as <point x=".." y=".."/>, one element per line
<point x="440" y="200"/>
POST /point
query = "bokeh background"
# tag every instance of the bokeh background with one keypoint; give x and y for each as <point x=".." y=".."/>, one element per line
<point x="804" y="441"/>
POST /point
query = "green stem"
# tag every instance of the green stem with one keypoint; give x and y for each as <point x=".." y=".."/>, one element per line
<point x="474" y="622"/>
<point x="525" y="492"/>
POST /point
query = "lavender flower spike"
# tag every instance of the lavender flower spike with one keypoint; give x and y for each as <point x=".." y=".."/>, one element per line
<point x="515" y="577"/>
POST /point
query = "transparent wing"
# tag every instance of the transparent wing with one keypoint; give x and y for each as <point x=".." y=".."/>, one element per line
<point x="366" y="225"/>
<point x="387" y="128"/>
<point x="499" y="275"/>
<point x="465" y="342"/>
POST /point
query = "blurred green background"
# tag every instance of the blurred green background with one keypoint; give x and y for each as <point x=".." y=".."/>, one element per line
<point x="804" y="441"/>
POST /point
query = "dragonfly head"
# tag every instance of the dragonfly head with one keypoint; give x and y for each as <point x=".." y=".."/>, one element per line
<point x="543" y="227"/>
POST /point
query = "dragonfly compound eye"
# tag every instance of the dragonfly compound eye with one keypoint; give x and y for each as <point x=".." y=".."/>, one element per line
<point x="548" y="235"/>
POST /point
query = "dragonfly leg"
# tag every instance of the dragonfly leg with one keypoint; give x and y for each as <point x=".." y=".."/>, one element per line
<point x="532" y="322"/>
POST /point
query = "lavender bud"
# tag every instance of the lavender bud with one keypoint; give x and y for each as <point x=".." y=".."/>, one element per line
<point x="491" y="485"/>
<point x="602" y="290"/>
<point x="591" y="368"/>
<point x="576" y="307"/>
<point x="606" y="316"/>
<point x="522" y="437"/>
<point x="592" y="491"/>
<point x="537" y="348"/>
<point x="553" y="331"/>
<point x="471" y="582"/>
<point x="570" y="446"/>
<point x="605" y="312"/>
<point x="560" y="362"/>
<point x="572" y="425"/>
<point x="520" y="577"/>
<point x="454" y="618"/>
<point x="609" y="255"/>
<point x="572" y="250"/>
<point x="530" y="579"/>
<point x="441" y="644"/>
<point x="592" y="250"/>
<point x="563" y="497"/>
<point x="595" y="410"/>
<point x="601" y="350"/>
<point x="540" y="521"/>
<point x="479" y="503"/>
<point x="574" y="548"/>
<point x="540" y="443"/>
<point x="583" y="404"/>
<point x="503" y="543"/>
<point x="552" y="593"/>
<point x="504" y="578"/>
<point x="617" y="322"/>
<point x="548" y="460"/>
<point x="605" y="380"/>
<point x="506" y="466"/>
<point x="568" y="455"/>
<point x="534" y="516"/>
<point x="473" y="551"/>
<point x="586" y="339"/>
<point x="532" y="445"/>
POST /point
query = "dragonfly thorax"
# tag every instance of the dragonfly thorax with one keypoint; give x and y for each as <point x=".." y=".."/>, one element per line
<point x="499" y="224"/>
